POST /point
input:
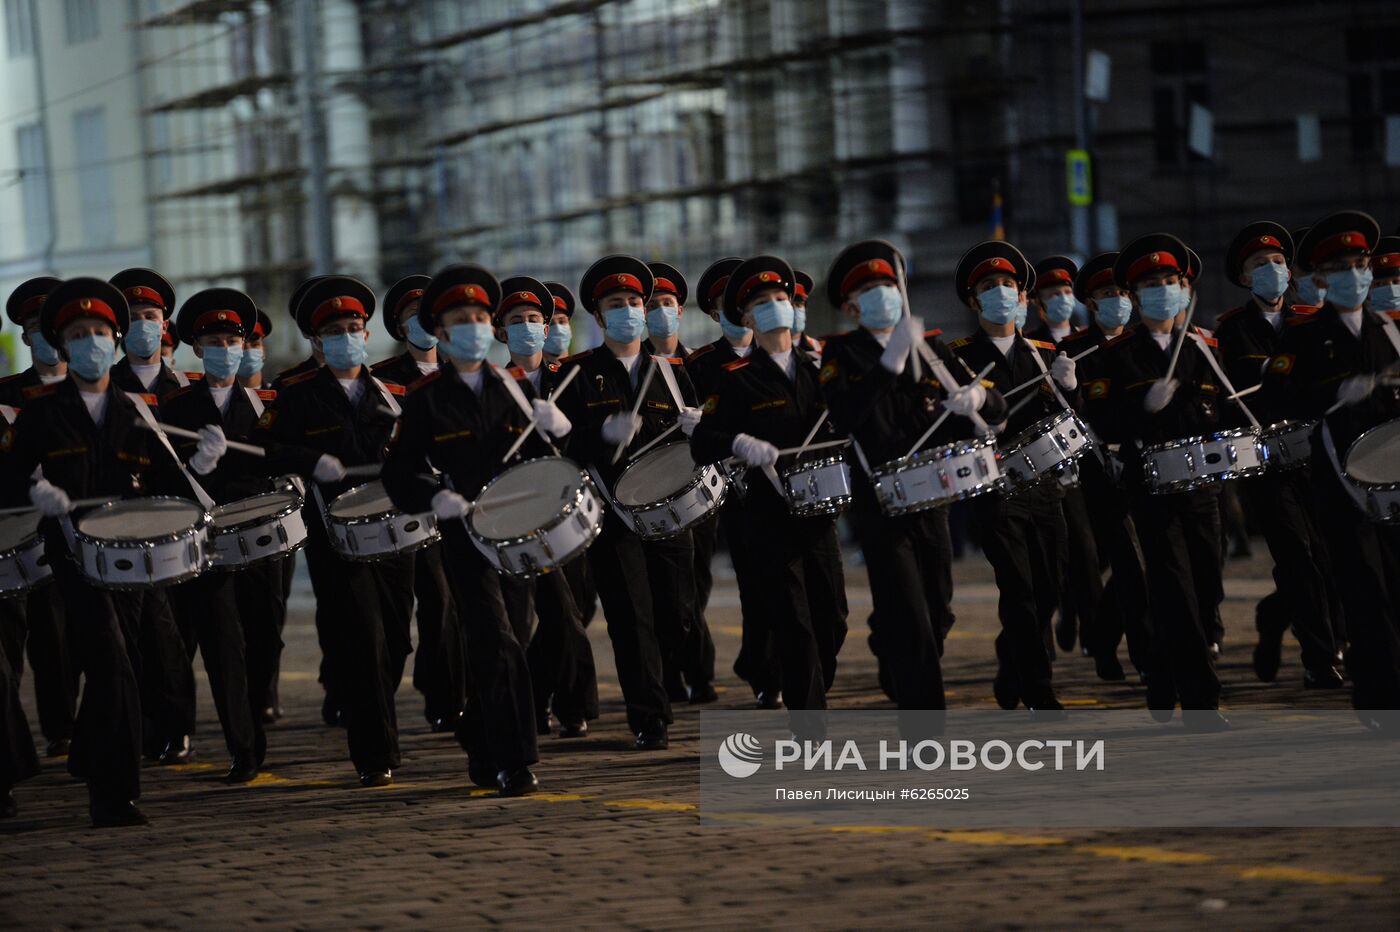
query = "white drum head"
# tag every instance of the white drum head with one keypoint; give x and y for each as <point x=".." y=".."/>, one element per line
<point x="363" y="501"/>
<point x="1375" y="457"/>
<point x="252" y="509"/>
<point x="15" y="528"/>
<point x="656" y="476"/>
<point x="525" y="498"/>
<point x="141" y="519"/>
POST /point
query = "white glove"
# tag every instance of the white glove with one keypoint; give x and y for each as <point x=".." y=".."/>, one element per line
<point x="49" y="499"/>
<point x="755" y="452"/>
<point x="896" y="352"/>
<point x="689" y="418"/>
<point x="621" y="428"/>
<point x="1160" y="395"/>
<point x="328" y="469"/>
<point x="1356" y="389"/>
<point x="551" y="420"/>
<point x="449" y="505"/>
<point x="1062" y="369"/>
<point x="967" y="400"/>
<point x="212" y="446"/>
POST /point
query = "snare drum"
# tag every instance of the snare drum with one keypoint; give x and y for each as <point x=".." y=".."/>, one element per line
<point x="1182" y="465"/>
<point x="536" y="516"/>
<point x="1046" y="448"/>
<point x="142" y="543"/>
<point x="939" y="476"/>
<point x="663" y="493"/>
<point x="818" y="487"/>
<point x="23" y="564"/>
<point x="258" y="528"/>
<point x="1289" y="443"/>
<point x="364" y="526"/>
<point x="1373" y="468"/>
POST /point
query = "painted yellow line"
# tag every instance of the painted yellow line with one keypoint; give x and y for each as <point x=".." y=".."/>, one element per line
<point x="733" y="631"/>
<point x="558" y="797"/>
<point x="1303" y="875"/>
<point x="651" y="805"/>
<point x="188" y="768"/>
<point x="1145" y="853"/>
<point x="872" y="829"/>
<point x="1072" y="702"/>
<point x="997" y="838"/>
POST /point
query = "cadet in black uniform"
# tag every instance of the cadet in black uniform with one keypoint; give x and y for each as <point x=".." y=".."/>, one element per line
<point x="647" y="587"/>
<point x="324" y="420"/>
<point x="875" y="398"/>
<point x="461" y="421"/>
<point x="767" y="402"/>
<point x="1021" y="532"/>
<point x="313" y="361"/>
<point x="802" y="287"/>
<point x="1279" y="500"/>
<point x="1330" y="365"/>
<point x="1179" y="531"/>
<point x="152" y="301"/>
<point x="18" y="762"/>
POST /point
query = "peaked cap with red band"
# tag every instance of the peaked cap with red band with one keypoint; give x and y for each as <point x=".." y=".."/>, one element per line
<point x="263" y="328"/>
<point x="80" y="298"/>
<point x="669" y="280"/>
<point x="29" y="298"/>
<point x="1147" y="254"/>
<point x="531" y="292"/>
<point x="564" y="300"/>
<point x="990" y="257"/>
<point x="455" y="286"/>
<point x="709" y="291"/>
<point x="333" y="298"/>
<point x="860" y="263"/>
<point x="1193" y="264"/>
<point x="1055" y="270"/>
<point x="614" y="273"/>
<point x="403" y="293"/>
<point x="1385" y="258"/>
<point x="749" y="278"/>
<point x="1259" y="236"/>
<point x="215" y="310"/>
<point x="802" y="287"/>
<point x="294" y="302"/>
<point x="1096" y="273"/>
<point x="146" y="286"/>
<point x="1341" y="233"/>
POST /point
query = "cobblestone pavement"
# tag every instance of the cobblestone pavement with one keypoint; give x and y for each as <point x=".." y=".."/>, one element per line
<point x="615" y="838"/>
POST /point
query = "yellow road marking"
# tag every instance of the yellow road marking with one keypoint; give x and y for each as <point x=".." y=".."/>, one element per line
<point x="188" y="768"/>
<point x="652" y="805"/>
<point x="558" y="797"/>
<point x="1145" y="853"/>
<point x="1303" y="875"/>
<point x="997" y="838"/>
<point x="1079" y="702"/>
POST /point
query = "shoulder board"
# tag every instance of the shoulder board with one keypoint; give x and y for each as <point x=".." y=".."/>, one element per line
<point x="39" y="391"/>
<point x="5" y="380"/>
<point x="300" y="377"/>
<point x="577" y="356"/>
<point x="1393" y="315"/>
<point x="674" y="360"/>
<point x="1204" y="331"/>
<point x="430" y="377"/>
<point x="194" y="376"/>
<point x="182" y="390"/>
<point x="699" y="351"/>
<point x="960" y="341"/>
<point x="1206" y="337"/>
<point x="1042" y="344"/>
<point x="1298" y="319"/>
<point x="374" y="366"/>
<point x="1121" y="337"/>
<point x="147" y="397"/>
<point x="818" y="344"/>
<point x="1228" y="314"/>
<point x="394" y="388"/>
<point x="1305" y="309"/>
<point x="734" y="364"/>
<point x="937" y="332"/>
<point x="266" y="394"/>
<point x="517" y="373"/>
<point x="553" y="366"/>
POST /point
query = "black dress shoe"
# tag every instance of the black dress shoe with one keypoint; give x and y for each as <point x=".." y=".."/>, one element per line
<point x="703" y="694"/>
<point x="542" y="726"/>
<point x="517" y="782"/>
<point x="481" y="775"/>
<point x="243" y="770"/>
<point x="653" y="740"/>
<point x="1323" y="678"/>
<point x="271" y="714"/>
<point x="330" y="713"/>
<point x="1005" y="690"/>
<point x="1215" y="650"/>
<point x="573" y="729"/>
<point x="768" y="699"/>
<point x="1048" y="709"/>
<point x="8" y="807"/>
<point x="369" y="778"/>
<point x="444" y="725"/>
<point x="1064" y="632"/>
<point x="178" y="751"/>
<point x="58" y="747"/>
<point x="1109" y="669"/>
<point x="116" y="814"/>
<point x="1204" y="721"/>
<point x="1268" y="654"/>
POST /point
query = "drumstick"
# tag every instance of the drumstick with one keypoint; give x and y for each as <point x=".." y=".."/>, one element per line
<point x="1185" y="329"/>
<point x="1244" y="391"/>
<point x="479" y="505"/>
<point x="194" y="435"/>
<point x="915" y="369"/>
<point x="637" y="406"/>
<point x="531" y="426"/>
<point x="368" y="469"/>
<point x="944" y="416"/>
<point x="657" y="439"/>
<point x="815" y="446"/>
<point x="78" y="503"/>
<point x="813" y="432"/>
<point x="1045" y="375"/>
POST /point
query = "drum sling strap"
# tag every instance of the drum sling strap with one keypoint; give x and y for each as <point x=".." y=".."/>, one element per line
<point x="1224" y="379"/>
<point x="1329" y="445"/>
<point x="144" y="410"/>
<point x="521" y="402"/>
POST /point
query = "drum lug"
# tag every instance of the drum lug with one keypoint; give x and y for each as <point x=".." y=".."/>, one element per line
<point x="150" y="565"/>
<point x="101" y="560"/>
<point x="898" y="488"/>
<point x="1232" y="454"/>
<point x="281" y="533"/>
<point x="393" y="530"/>
<point x="1190" y="461"/>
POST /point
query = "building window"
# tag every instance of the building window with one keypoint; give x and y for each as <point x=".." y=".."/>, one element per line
<point x="34" y="187"/>
<point x="1373" y="85"/>
<point x="1179" y="79"/>
<point x="80" y="18"/>
<point x="19" y="29"/>
<point x="94" y="176"/>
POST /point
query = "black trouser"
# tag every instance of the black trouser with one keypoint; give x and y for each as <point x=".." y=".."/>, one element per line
<point x="909" y="561"/>
<point x="697" y="654"/>
<point x="438" y="667"/>
<point x="1180" y="536"/>
<point x="1282" y="504"/>
<point x="671" y="575"/>
<point x="579" y="574"/>
<point x="1019" y="535"/>
<point x="1123" y="606"/>
<point x="262" y="605"/>
<point x="1365" y="556"/>
<point x="17" y="758"/>
<point x="280" y="573"/>
<point x="162" y="663"/>
<point x="498" y="727"/>
<point x="1082" y="586"/>
<point x="562" y="671"/>
<point x="51" y="661"/>
<point x="757" y="662"/>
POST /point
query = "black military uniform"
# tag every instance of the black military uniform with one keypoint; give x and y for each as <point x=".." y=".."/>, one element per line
<point x="464" y="432"/>
<point x="908" y="557"/>
<point x="359" y="621"/>
<point x="779" y="402"/>
<point x="802" y="287"/>
<point x="1280" y="501"/>
<point x="147" y="287"/>
<point x="310" y="363"/>
<point x="647" y="588"/>
<point x="18" y="762"/>
<point x="1022" y="533"/>
<point x="1312" y="374"/>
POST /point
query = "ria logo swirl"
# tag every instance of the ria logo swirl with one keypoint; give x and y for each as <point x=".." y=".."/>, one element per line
<point x="740" y="755"/>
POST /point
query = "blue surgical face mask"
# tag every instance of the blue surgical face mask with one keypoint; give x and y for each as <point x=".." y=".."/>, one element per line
<point x="1348" y="287"/>
<point x="91" y="356"/>
<point x="415" y="334"/>
<point x="1160" y="302"/>
<point x="143" y="340"/>
<point x="251" y="363"/>
<point x="1269" y="281"/>
<point x="1183" y="298"/>
<point x="1385" y="297"/>
<point x="1113" y="311"/>
<point x="663" y="321"/>
<point x="41" y="349"/>
<point x="772" y="315"/>
<point x="735" y="332"/>
<point x="880" y="307"/>
<point x="799" y="319"/>
<point x="557" y="343"/>
<point x="345" y="350"/>
<point x="525" y="339"/>
<point x="1058" y="308"/>
<point x="624" y="324"/>
<point x="1080" y="316"/>
<point x="1001" y="305"/>
<point x="220" y="362"/>
<point x="468" y="342"/>
<point x="1308" y="292"/>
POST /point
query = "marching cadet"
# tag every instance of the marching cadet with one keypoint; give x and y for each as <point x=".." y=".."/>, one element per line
<point x="142" y="369"/>
<point x="802" y="287"/>
<point x="874" y="398"/>
<point x="1280" y="501"/>
<point x="664" y="310"/>
<point x="168" y="343"/>
<point x="757" y="662"/>
<point x="323" y="420"/>
<point x="1305" y="290"/>
<point x="240" y="648"/>
<point x="313" y="361"/>
<point x="461" y="421"/>
<point x="647" y="587"/>
<point x="438" y="666"/>
<point x="18" y="762"/>
<point x="1179" y="531"/>
<point x="1123" y="603"/>
<point x="1338" y="365"/>
<point x="560" y="658"/>
<point x="39" y="618"/>
<point x="1020" y="532"/>
<point x="761" y="404"/>
<point x="561" y="331"/>
<point x="84" y="433"/>
<point x="250" y="367"/>
<point x="1054" y="299"/>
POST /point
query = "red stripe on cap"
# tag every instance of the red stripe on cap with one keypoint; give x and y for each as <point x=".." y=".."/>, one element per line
<point x="799" y="292"/>
<point x="145" y="295"/>
<point x="460" y="294"/>
<point x="258" y="330"/>
<point x="342" y="306"/>
<point x="989" y="266"/>
<point x="622" y="281"/>
<point x="864" y="272"/>
<point x="413" y="294"/>
<point x="520" y="297"/>
<point x="1054" y="277"/>
<point x="761" y="280"/>
<point x="84" y="307"/>
<point x="666" y="286"/>
<point x="1153" y="260"/>
<point x="30" y="305"/>
<point x="560" y="304"/>
<point x="1099" y="279"/>
<point x="1259" y="244"/>
<point x="1350" y="241"/>
<point x="716" y="290"/>
<point x="216" y="318"/>
<point x="1390" y="260"/>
